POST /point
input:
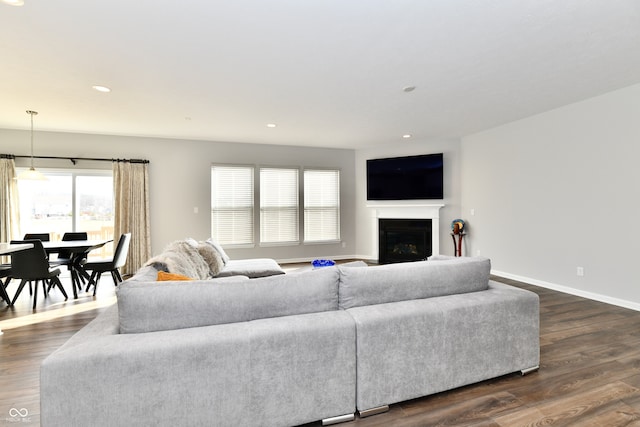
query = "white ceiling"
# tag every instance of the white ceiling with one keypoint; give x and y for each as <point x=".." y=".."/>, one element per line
<point x="329" y="73"/>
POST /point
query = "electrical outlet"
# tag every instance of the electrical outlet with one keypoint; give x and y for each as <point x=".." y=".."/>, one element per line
<point x="478" y="252"/>
<point x="580" y="271"/>
<point x="472" y="211"/>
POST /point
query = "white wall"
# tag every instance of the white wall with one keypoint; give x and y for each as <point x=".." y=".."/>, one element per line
<point x="180" y="179"/>
<point x="451" y="210"/>
<point x="559" y="191"/>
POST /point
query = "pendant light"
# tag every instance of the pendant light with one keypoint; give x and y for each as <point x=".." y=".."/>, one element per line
<point x="31" y="174"/>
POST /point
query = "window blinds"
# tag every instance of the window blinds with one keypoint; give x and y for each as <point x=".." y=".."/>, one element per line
<point x="232" y="204"/>
<point x="279" y="205"/>
<point x="321" y="205"/>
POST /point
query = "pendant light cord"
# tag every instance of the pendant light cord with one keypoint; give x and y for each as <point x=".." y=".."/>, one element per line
<point x="32" y="113"/>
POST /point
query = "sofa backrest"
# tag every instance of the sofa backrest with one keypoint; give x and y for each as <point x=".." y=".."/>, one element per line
<point x="146" y="306"/>
<point x="415" y="280"/>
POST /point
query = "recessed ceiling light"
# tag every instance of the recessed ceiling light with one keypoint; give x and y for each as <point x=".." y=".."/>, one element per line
<point x="408" y="88"/>
<point x="271" y="125"/>
<point x="101" y="88"/>
<point x="406" y="136"/>
<point x="14" y="2"/>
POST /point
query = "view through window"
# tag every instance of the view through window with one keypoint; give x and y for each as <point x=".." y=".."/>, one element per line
<point x="69" y="201"/>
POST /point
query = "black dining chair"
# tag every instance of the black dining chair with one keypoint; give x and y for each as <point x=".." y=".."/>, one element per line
<point x="5" y="271"/>
<point x="66" y="257"/>
<point x="43" y="237"/>
<point x="32" y="265"/>
<point x="111" y="265"/>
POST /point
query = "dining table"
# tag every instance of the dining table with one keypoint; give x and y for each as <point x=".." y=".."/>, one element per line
<point x="8" y="248"/>
<point x="79" y="249"/>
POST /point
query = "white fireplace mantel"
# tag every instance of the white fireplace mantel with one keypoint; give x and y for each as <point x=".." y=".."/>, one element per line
<point x="406" y="211"/>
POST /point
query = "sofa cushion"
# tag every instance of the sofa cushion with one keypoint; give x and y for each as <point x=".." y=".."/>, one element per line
<point x="415" y="280"/>
<point x="252" y="268"/>
<point x="215" y="245"/>
<point x="158" y="306"/>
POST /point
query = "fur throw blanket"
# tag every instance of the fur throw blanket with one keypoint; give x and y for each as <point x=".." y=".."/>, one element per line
<point x="197" y="260"/>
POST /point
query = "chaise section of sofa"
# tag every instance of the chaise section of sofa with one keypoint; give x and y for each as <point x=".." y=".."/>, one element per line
<point x="432" y="326"/>
<point x="204" y="260"/>
<point x="269" y="352"/>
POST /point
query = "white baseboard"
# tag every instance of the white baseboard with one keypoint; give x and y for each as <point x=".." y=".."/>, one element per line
<point x="567" y="290"/>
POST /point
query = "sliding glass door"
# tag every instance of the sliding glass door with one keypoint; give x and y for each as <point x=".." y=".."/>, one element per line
<point x="68" y="201"/>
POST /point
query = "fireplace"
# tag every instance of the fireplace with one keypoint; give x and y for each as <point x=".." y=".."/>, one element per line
<point x="403" y="240"/>
<point x="408" y="212"/>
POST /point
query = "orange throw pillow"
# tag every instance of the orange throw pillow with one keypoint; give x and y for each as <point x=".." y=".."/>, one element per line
<point x="163" y="276"/>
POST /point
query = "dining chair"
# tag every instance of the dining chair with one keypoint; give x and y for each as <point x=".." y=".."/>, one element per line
<point x="32" y="265"/>
<point x="5" y="271"/>
<point x="111" y="265"/>
<point x="66" y="257"/>
<point x="43" y="237"/>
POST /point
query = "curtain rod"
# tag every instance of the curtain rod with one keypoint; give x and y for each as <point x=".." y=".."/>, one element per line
<point x="75" y="159"/>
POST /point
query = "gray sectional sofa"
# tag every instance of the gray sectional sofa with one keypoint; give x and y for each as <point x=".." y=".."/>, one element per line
<point x="289" y="349"/>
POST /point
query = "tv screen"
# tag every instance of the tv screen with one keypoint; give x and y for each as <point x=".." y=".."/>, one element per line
<point x="405" y="178"/>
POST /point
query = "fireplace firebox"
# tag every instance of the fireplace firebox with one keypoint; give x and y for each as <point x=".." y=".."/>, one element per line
<point x="404" y="240"/>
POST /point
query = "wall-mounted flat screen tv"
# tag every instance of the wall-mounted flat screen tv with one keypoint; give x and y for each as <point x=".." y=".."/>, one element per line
<point x="405" y="178"/>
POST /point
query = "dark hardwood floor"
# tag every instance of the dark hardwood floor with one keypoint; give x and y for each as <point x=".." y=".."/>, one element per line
<point x="31" y="335"/>
<point x="589" y="372"/>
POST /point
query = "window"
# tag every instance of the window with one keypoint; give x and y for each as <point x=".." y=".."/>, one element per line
<point x="321" y="205"/>
<point x="69" y="200"/>
<point x="233" y="217"/>
<point x="232" y="204"/>
<point x="279" y="205"/>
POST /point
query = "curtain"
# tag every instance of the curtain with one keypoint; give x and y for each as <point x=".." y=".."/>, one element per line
<point x="9" y="206"/>
<point x="131" y="199"/>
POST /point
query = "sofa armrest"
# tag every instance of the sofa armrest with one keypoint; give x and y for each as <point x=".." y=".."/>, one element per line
<point x="105" y="324"/>
<point x="173" y="377"/>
